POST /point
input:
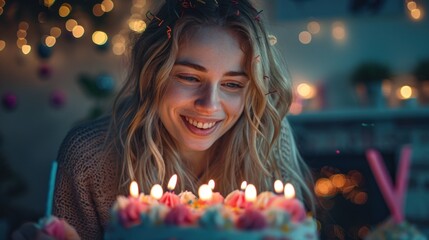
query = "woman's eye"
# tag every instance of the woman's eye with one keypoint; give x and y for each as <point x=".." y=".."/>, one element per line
<point x="233" y="85"/>
<point x="187" y="78"/>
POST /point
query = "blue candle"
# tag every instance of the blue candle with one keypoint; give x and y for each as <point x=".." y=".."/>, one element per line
<point x="51" y="189"/>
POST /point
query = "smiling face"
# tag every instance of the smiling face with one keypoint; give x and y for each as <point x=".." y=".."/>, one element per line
<point x="205" y="94"/>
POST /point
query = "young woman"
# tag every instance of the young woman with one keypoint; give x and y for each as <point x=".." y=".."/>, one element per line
<point x="206" y="98"/>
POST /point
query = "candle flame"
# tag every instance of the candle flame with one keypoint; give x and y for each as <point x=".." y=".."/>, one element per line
<point x="289" y="191"/>
<point x="250" y="193"/>
<point x="205" y="192"/>
<point x="172" y="183"/>
<point x="134" y="189"/>
<point x="212" y="184"/>
<point x="278" y="186"/>
<point x="243" y="185"/>
<point x="156" y="191"/>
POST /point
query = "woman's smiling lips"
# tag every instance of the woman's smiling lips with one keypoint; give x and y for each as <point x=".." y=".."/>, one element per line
<point x="199" y="127"/>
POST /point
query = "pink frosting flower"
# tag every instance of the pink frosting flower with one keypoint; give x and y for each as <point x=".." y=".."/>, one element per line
<point x="179" y="215"/>
<point x="216" y="198"/>
<point x="130" y="214"/>
<point x="236" y="199"/>
<point x="293" y="206"/>
<point x="251" y="219"/>
<point x="170" y="199"/>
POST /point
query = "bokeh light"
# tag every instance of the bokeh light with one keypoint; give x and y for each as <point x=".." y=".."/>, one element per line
<point x="313" y="27"/>
<point x="26" y="49"/>
<point x="70" y="24"/>
<point x="2" y="45"/>
<point x="99" y="37"/>
<point x="50" y="41"/>
<point x="304" y="37"/>
<point x="306" y="90"/>
<point x="64" y="10"/>
<point x="97" y="10"/>
<point x="338" y="31"/>
<point x="55" y="32"/>
<point x="78" y="31"/>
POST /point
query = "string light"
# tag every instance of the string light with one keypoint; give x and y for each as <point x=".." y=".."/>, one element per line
<point x="55" y="32"/>
<point x="107" y="6"/>
<point x="64" y="10"/>
<point x="26" y="49"/>
<point x="70" y="24"/>
<point x="78" y="31"/>
<point x="99" y="37"/>
<point x="50" y="41"/>
<point x="97" y="10"/>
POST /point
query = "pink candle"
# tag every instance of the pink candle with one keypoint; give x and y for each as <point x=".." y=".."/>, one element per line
<point x="402" y="175"/>
<point x="384" y="182"/>
<point x="169" y="198"/>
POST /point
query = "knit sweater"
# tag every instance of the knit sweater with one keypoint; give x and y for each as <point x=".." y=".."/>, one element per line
<point x="88" y="177"/>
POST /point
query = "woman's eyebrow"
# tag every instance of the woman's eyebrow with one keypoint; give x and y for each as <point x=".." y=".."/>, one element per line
<point x="198" y="67"/>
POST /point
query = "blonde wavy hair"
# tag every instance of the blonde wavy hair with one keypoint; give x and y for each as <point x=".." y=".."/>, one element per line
<point x="251" y="150"/>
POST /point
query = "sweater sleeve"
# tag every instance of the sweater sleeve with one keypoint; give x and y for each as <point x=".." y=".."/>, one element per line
<point x="86" y="180"/>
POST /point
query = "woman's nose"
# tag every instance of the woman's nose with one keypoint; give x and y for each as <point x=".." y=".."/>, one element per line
<point x="208" y="100"/>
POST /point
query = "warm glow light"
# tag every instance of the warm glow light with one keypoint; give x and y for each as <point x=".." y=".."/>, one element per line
<point x="416" y="14"/>
<point x="411" y="5"/>
<point x="172" y="182"/>
<point x="278" y="186"/>
<point x="137" y="25"/>
<point x="48" y="3"/>
<point x="55" y="32"/>
<point x="70" y="24"/>
<point x="250" y="193"/>
<point x="64" y="10"/>
<point x="118" y="48"/>
<point x="21" y="42"/>
<point x="26" y="49"/>
<point x="107" y="5"/>
<point x="306" y="90"/>
<point x="324" y="187"/>
<point x="2" y="45"/>
<point x="99" y="37"/>
<point x="78" y="31"/>
<point x="212" y="184"/>
<point x="156" y="191"/>
<point x="2" y="3"/>
<point x="1" y="11"/>
<point x="21" y="33"/>
<point x="313" y="27"/>
<point x="338" y="180"/>
<point x="360" y="198"/>
<point x="289" y="191"/>
<point x="50" y="41"/>
<point x="338" y="31"/>
<point x="304" y="37"/>
<point x="134" y="189"/>
<point x="405" y="92"/>
<point x="23" y="25"/>
<point x="243" y="185"/>
<point x="205" y="192"/>
<point x="97" y="10"/>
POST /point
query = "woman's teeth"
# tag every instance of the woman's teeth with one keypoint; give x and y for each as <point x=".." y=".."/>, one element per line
<point x="200" y="124"/>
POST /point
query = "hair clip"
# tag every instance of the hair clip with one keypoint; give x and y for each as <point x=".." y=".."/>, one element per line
<point x="258" y="58"/>
<point x="154" y="17"/>
<point x="168" y="32"/>
<point x="258" y="16"/>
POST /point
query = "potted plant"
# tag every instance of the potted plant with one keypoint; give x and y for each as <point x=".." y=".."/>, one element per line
<point x="368" y="79"/>
<point x="421" y="73"/>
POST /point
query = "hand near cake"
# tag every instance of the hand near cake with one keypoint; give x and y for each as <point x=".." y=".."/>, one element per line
<point x="52" y="229"/>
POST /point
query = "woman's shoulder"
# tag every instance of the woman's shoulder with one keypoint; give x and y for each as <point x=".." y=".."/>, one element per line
<point x="85" y="145"/>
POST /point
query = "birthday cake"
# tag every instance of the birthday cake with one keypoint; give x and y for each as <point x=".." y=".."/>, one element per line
<point x="184" y="216"/>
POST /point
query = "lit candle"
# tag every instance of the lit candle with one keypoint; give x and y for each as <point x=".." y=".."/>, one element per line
<point x="205" y="192"/>
<point x="172" y="183"/>
<point x="289" y="191"/>
<point x="212" y="184"/>
<point x="278" y="187"/>
<point x="243" y="185"/>
<point x="250" y="193"/>
<point x="169" y="198"/>
<point x="134" y="189"/>
<point x="156" y="191"/>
